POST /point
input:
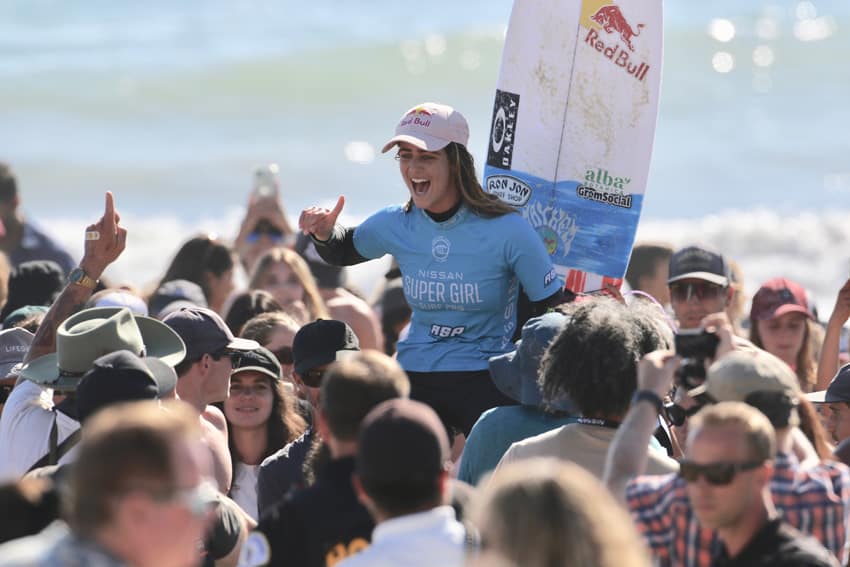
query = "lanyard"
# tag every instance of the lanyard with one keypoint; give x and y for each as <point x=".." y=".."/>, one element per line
<point x="598" y="422"/>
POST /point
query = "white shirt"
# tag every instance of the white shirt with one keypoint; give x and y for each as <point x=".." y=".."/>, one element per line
<point x="433" y="538"/>
<point x="25" y="429"/>
<point x="243" y="489"/>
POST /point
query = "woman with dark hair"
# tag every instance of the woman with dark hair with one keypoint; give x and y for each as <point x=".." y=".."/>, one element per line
<point x="463" y="254"/>
<point x="208" y="262"/>
<point x="261" y="418"/>
<point x="248" y="305"/>
<point x="275" y="331"/>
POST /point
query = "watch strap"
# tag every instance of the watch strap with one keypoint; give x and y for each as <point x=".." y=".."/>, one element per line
<point x="648" y="396"/>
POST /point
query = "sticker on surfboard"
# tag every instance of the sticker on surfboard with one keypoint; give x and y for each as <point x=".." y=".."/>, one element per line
<point x="572" y="128"/>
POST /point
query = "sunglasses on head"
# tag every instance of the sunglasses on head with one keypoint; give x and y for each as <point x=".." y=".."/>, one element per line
<point x="699" y="290"/>
<point x="716" y="474"/>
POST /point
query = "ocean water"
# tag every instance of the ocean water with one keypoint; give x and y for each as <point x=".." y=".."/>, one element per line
<point x="171" y="105"/>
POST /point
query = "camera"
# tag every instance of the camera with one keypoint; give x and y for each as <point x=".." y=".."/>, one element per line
<point x="694" y="346"/>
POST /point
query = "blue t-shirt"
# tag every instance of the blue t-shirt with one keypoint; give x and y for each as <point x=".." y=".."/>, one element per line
<point x="461" y="278"/>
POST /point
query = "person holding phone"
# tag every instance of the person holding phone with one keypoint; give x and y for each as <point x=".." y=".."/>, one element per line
<point x="463" y="254"/>
<point x="265" y="224"/>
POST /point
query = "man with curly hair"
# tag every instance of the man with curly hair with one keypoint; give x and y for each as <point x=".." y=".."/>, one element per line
<point x="593" y="362"/>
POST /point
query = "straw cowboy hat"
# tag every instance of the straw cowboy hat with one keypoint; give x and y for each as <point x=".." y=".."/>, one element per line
<point x="92" y="333"/>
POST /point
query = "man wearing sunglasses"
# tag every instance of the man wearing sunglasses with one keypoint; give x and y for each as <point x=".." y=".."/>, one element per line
<point x="315" y="347"/>
<point x="727" y="473"/>
<point x="699" y="285"/>
<point x="204" y="376"/>
<point x="811" y="495"/>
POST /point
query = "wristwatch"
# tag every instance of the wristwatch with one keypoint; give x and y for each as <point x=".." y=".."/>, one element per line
<point x="648" y="396"/>
<point x="81" y="278"/>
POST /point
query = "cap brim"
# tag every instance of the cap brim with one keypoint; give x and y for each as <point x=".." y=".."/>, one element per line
<point x="816" y="397"/>
<point x="423" y="142"/>
<point x="315" y="361"/>
<point x="242" y="344"/>
<point x="259" y="369"/>
<point x="784" y="309"/>
<point x="706" y="276"/>
<point x="700" y="390"/>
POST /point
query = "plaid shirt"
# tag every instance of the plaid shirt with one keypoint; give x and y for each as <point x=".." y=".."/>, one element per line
<point x="814" y="500"/>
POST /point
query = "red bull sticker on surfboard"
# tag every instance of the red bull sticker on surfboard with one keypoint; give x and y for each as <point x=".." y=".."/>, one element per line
<point x="611" y="34"/>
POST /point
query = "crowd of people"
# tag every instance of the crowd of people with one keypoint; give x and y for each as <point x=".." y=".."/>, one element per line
<point x="472" y="412"/>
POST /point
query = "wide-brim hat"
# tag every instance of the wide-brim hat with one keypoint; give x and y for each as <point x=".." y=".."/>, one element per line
<point x="86" y="336"/>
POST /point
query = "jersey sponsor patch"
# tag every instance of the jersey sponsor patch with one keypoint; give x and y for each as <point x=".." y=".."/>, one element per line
<point x="445" y="331"/>
<point x="550" y="277"/>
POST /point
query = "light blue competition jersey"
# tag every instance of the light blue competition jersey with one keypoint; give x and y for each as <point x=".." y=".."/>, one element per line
<point x="461" y="278"/>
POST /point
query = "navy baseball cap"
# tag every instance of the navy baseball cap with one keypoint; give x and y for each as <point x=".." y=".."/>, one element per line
<point x="205" y="332"/>
<point x="837" y="391"/>
<point x="322" y="342"/>
<point x="695" y="262"/>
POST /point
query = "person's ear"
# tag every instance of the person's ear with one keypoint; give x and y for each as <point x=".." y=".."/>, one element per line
<point x="730" y="293"/>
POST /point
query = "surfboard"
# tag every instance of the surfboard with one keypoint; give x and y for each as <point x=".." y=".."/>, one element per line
<point x="573" y="125"/>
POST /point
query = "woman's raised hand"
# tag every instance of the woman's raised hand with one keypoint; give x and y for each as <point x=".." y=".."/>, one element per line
<point x="320" y="221"/>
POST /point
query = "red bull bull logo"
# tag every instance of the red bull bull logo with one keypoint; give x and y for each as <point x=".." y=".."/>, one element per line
<point x="419" y="110"/>
<point x="610" y="18"/>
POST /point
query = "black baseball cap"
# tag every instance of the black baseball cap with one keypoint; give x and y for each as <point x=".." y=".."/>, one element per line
<point x="205" y="332"/>
<point x="259" y="360"/>
<point x="121" y="376"/>
<point x="322" y="342"/>
<point x="698" y="263"/>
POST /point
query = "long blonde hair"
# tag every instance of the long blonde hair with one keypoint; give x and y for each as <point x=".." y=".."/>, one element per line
<point x="312" y="300"/>
<point x="462" y="170"/>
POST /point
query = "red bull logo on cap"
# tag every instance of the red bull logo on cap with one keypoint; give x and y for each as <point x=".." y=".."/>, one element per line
<point x="610" y="18"/>
<point x="419" y="110"/>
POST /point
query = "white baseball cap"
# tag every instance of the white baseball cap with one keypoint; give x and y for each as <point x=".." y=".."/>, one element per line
<point x="431" y="127"/>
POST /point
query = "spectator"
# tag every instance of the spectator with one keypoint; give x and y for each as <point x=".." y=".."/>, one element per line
<point x="14" y="344"/>
<point x="174" y="295"/>
<point x="648" y="270"/>
<point x="204" y="376"/>
<point x="837" y="399"/>
<point x="543" y="512"/>
<point x="592" y="363"/>
<point x="285" y="275"/>
<point x="116" y="297"/>
<point x="261" y="419"/>
<point x="727" y="475"/>
<point x="315" y="347"/>
<point x="340" y="302"/>
<point x="20" y="239"/>
<point x="276" y="331"/>
<point x="814" y="497"/>
<point x="36" y="282"/>
<point x="207" y="262"/>
<point x="516" y="375"/>
<point x="830" y="355"/>
<point x="248" y="305"/>
<point x="402" y="478"/>
<point x="699" y="285"/>
<point x="136" y="494"/>
<point x="781" y="323"/>
<point x="325" y="523"/>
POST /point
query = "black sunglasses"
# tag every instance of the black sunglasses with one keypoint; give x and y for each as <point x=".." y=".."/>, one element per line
<point x="234" y="359"/>
<point x="716" y="474"/>
<point x="313" y="378"/>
